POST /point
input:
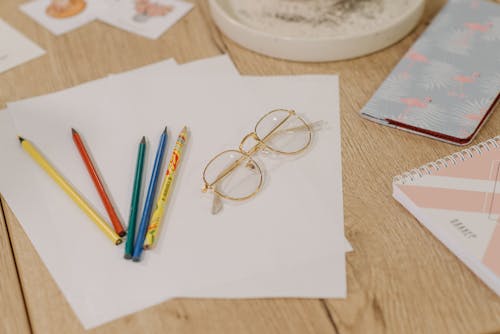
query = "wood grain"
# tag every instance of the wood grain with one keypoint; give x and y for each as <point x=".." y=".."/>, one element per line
<point x="400" y="278"/>
<point x="14" y="318"/>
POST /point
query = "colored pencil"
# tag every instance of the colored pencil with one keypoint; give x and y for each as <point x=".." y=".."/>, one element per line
<point x="70" y="191"/>
<point x="99" y="185"/>
<point x="154" y="224"/>
<point x="150" y="197"/>
<point x="134" y="206"/>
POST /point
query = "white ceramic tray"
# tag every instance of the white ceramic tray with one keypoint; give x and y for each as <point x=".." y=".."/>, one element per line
<point x="314" y="49"/>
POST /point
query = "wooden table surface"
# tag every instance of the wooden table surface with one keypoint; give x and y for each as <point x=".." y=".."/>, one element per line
<point x="400" y="278"/>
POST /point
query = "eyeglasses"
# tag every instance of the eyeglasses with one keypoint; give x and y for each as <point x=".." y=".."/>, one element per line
<point x="234" y="175"/>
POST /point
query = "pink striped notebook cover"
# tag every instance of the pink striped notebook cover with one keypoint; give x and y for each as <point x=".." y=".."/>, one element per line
<point x="458" y="199"/>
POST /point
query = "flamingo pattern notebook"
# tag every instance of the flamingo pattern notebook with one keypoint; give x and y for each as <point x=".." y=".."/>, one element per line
<point x="448" y="83"/>
<point x="456" y="199"/>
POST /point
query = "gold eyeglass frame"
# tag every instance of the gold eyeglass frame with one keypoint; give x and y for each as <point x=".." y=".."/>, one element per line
<point x="247" y="154"/>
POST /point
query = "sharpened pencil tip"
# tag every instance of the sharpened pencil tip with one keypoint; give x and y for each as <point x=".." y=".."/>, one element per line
<point x="165" y="130"/>
<point x="21" y="139"/>
<point x="73" y="131"/>
<point x="143" y="141"/>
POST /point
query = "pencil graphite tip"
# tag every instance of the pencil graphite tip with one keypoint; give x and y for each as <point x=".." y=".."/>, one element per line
<point x="143" y="141"/>
<point x="21" y="139"/>
<point x="73" y="131"/>
<point x="165" y="130"/>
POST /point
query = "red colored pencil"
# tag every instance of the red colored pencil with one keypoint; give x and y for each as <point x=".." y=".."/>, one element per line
<point x="98" y="183"/>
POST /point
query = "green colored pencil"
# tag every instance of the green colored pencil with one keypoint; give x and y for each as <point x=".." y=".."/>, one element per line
<point x="129" y="245"/>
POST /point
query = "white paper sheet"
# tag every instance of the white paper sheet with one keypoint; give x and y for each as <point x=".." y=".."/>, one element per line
<point x="199" y="255"/>
<point x="15" y="48"/>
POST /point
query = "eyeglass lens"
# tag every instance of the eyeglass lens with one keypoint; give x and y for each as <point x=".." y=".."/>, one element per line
<point x="283" y="131"/>
<point x="235" y="175"/>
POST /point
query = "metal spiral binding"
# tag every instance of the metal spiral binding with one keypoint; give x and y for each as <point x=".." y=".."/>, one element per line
<point x="450" y="160"/>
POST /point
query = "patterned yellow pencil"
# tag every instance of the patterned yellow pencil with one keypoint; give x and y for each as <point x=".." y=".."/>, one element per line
<point x="70" y="191"/>
<point x="156" y="218"/>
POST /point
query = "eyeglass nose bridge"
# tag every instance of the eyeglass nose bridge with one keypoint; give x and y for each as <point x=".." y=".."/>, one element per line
<point x="253" y="136"/>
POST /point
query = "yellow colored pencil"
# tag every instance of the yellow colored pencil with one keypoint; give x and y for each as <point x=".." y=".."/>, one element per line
<point x="154" y="224"/>
<point x="70" y="191"/>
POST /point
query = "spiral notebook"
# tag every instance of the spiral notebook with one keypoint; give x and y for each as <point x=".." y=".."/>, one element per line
<point x="448" y="83"/>
<point x="456" y="199"/>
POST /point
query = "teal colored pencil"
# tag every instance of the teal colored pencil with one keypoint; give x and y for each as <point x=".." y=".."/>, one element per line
<point x="136" y="194"/>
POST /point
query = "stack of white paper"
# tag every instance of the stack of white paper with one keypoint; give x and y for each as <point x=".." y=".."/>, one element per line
<point x="288" y="241"/>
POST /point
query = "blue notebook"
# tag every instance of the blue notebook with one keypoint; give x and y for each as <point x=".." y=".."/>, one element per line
<point x="448" y="83"/>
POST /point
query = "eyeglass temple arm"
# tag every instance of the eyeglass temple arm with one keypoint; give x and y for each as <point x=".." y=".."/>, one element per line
<point x="308" y="126"/>
<point x="271" y="133"/>
<point x="305" y="126"/>
<point x="228" y="170"/>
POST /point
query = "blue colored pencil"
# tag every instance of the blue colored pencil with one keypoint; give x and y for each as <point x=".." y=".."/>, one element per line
<point x="150" y="197"/>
